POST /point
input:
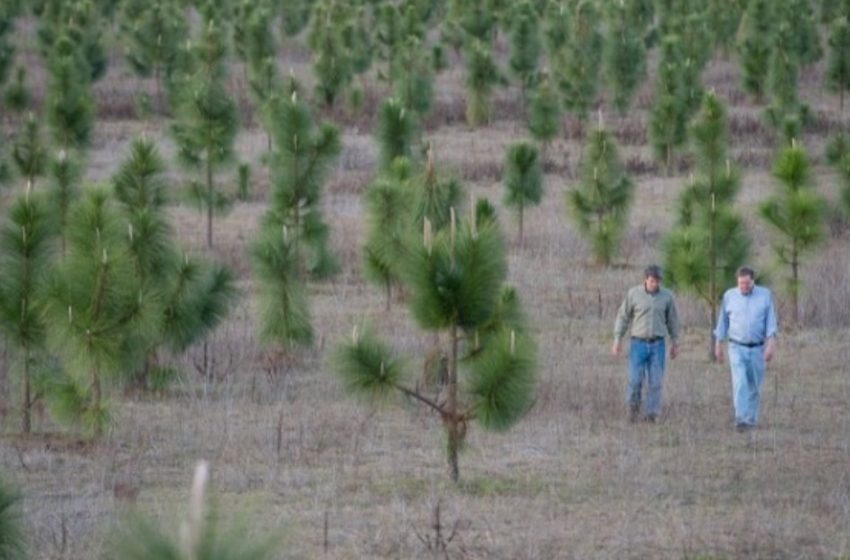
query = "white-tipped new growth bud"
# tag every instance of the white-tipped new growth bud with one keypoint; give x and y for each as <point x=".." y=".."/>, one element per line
<point x="70" y="314"/>
<point x="355" y="334"/>
<point x="427" y="235"/>
<point x="105" y="257"/>
<point x="130" y="231"/>
<point x="513" y="342"/>
<point x="193" y="527"/>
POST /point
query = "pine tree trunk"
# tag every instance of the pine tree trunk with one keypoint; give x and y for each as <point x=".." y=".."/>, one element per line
<point x="452" y="424"/>
<point x="389" y="292"/>
<point x="27" y="419"/>
<point x="712" y="278"/>
<point x="209" y="202"/>
<point x="795" y="291"/>
<point x="520" y="235"/>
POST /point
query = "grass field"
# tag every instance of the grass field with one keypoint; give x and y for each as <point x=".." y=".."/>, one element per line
<point x="293" y="456"/>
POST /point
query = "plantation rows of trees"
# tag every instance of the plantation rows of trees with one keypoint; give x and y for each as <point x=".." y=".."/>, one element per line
<point x="96" y="292"/>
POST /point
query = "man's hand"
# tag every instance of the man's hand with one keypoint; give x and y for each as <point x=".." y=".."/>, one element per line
<point x="615" y="349"/>
<point x="769" y="350"/>
<point x="718" y="352"/>
<point x="674" y="350"/>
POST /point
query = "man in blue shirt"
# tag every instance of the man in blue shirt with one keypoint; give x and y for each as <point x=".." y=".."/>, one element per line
<point x="748" y="320"/>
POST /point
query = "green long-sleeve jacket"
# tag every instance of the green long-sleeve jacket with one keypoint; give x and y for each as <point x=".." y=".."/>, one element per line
<point x="648" y="314"/>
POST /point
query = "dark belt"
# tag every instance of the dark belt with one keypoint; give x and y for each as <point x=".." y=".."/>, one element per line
<point x="649" y="339"/>
<point x="747" y="344"/>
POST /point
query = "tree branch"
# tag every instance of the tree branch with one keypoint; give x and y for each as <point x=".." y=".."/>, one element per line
<point x="421" y="398"/>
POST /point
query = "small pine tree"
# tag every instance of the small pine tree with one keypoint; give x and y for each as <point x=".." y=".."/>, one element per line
<point x="710" y="241"/>
<point x="28" y="152"/>
<point x="669" y="114"/>
<point x="805" y="36"/>
<point x="556" y="26"/>
<point x="434" y="196"/>
<point x="70" y="109"/>
<point x="838" y="70"/>
<point x="12" y="542"/>
<point x="7" y="49"/>
<point x="332" y="62"/>
<point x="295" y="15"/>
<point x="581" y="60"/>
<point x="600" y="203"/>
<point x="526" y="46"/>
<point x="786" y="113"/>
<point x="482" y="75"/>
<point x="796" y="214"/>
<point x="388" y="207"/>
<point x="64" y="173"/>
<point x="624" y="56"/>
<point x="523" y="180"/>
<point x="300" y="162"/>
<point x="724" y="17"/>
<point x="544" y="115"/>
<point x="457" y="287"/>
<point x="18" y="96"/>
<point x="397" y="128"/>
<point x="152" y="42"/>
<point x="413" y="76"/>
<point x="206" y="123"/>
<point x="26" y="244"/>
<point x="97" y="313"/>
<point x="755" y="42"/>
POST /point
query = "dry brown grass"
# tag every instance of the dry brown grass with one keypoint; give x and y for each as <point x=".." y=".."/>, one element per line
<point x="573" y="480"/>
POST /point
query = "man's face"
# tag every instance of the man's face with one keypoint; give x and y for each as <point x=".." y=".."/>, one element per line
<point x="745" y="284"/>
<point x="652" y="283"/>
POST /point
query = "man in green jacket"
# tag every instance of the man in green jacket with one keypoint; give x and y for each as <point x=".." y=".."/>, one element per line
<point x="650" y="311"/>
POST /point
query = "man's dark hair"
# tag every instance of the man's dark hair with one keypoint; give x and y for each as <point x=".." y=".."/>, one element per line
<point x="653" y="271"/>
<point x="746" y="271"/>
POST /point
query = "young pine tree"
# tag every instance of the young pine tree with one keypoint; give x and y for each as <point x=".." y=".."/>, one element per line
<point x="303" y="155"/>
<point x="526" y="47"/>
<point x="26" y="246"/>
<point x="389" y="214"/>
<point x="69" y="102"/>
<point x="544" y="115"/>
<point x="206" y="122"/>
<point x="457" y="288"/>
<point x="624" y="56"/>
<point x="18" y="96"/>
<point x="434" y="196"/>
<point x="724" y="17"/>
<point x="669" y="113"/>
<point x="786" y="114"/>
<point x="523" y="180"/>
<point x="332" y="61"/>
<point x="796" y="214"/>
<point x="581" y="59"/>
<point x="482" y="75"/>
<point x="96" y="311"/>
<point x="397" y="130"/>
<point x="152" y="42"/>
<point x="601" y="201"/>
<point x="710" y="241"/>
<point x="413" y="76"/>
<point x="190" y="298"/>
<point x="755" y="43"/>
<point x="29" y="153"/>
<point x="64" y="175"/>
<point x="838" y="69"/>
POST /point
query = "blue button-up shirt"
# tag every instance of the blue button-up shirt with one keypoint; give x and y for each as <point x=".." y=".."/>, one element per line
<point x="747" y="318"/>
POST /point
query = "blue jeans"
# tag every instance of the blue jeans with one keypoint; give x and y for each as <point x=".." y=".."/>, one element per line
<point x="646" y="360"/>
<point x="747" y="366"/>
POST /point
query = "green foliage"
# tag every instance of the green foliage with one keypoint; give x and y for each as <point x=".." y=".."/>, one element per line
<point x="413" y="76"/>
<point x="455" y="277"/>
<point x="206" y="122"/>
<point x="64" y="173"/>
<point x="838" y="69"/>
<point x="601" y="201"/>
<point x="755" y="42"/>
<point x="580" y="61"/>
<point x="805" y="36"/>
<point x="69" y="105"/>
<point x="28" y="151"/>
<point x="523" y="179"/>
<point x="152" y="37"/>
<point x="503" y="380"/>
<point x="624" y="56"/>
<point x="83" y="25"/>
<point x="18" y="96"/>
<point x="397" y="128"/>
<point x="526" y="45"/>
<point x="300" y="162"/>
<point x="26" y="250"/>
<point x="482" y="75"/>
<point x="244" y="188"/>
<point x="796" y="214"/>
<point x="544" y="115"/>
<point x="724" y="17"/>
<point x="434" y="196"/>
<point x="556" y="25"/>
<point x="98" y="313"/>
<point x="368" y="368"/>
<point x="670" y="112"/>
<point x="295" y="15"/>
<point x="388" y="210"/>
<point x="710" y="241"/>
<point x="284" y="311"/>
<point x="786" y="113"/>
<point x="332" y="60"/>
<point x="12" y="544"/>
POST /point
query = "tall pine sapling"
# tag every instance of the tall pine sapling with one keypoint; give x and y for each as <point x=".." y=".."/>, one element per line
<point x="624" y="56"/>
<point x="29" y="153"/>
<point x="482" y="75"/>
<point x="579" y="62"/>
<point x="601" y="201"/>
<point x="397" y="129"/>
<point x="796" y="215"/>
<point x="544" y="115"/>
<point x="838" y="69"/>
<point x="523" y="180"/>
<point x="755" y="43"/>
<point x="12" y="538"/>
<point x="526" y="46"/>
